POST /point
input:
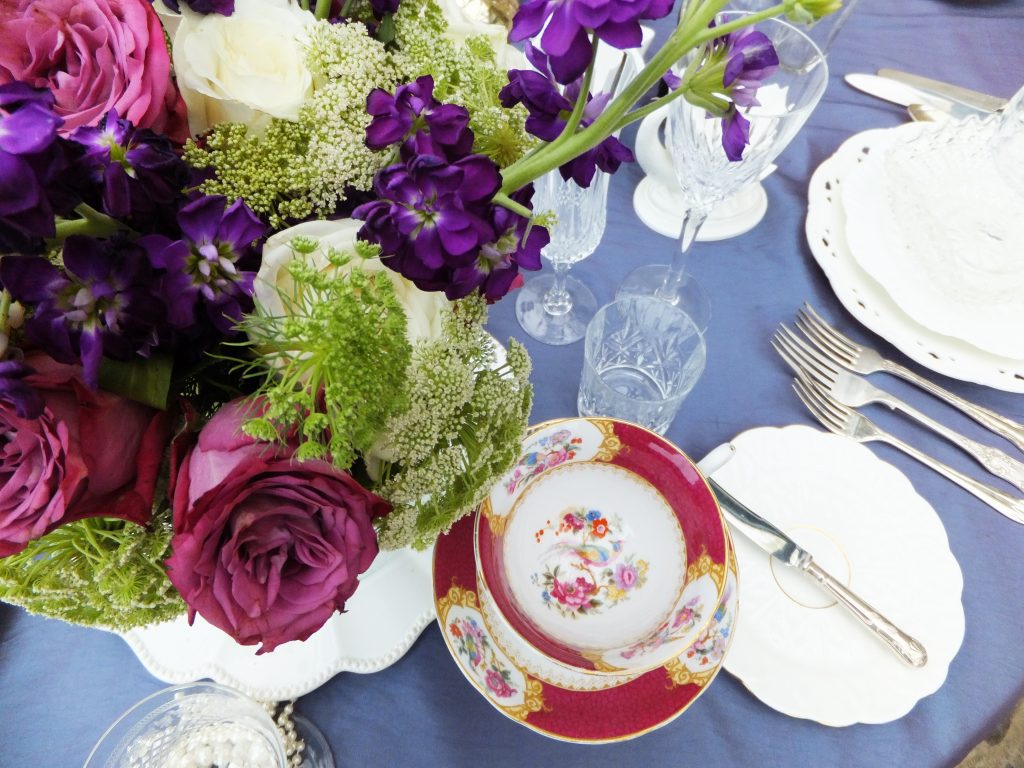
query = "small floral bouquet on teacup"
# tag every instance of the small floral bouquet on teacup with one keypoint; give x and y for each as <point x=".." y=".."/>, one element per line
<point x="246" y="252"/>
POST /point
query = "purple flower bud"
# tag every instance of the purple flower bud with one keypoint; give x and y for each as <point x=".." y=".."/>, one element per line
<point x="223" y="7"/>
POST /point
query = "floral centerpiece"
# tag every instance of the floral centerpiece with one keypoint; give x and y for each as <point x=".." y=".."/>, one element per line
<point x="246" y="252"/>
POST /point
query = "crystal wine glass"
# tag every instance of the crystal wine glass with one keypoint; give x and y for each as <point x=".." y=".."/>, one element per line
<point x="555" y="308"/>
<point x="706" y="176"/>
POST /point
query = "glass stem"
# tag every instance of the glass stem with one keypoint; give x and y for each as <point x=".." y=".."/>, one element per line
<point x="557" y="300"/>
<point x="693" y="220"/>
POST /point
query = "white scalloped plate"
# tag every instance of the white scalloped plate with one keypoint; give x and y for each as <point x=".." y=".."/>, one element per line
<point x="932" y="219"/>
<point x="866" y="299"/>
<point x="393" y="604"/>
<point x="796" y="649"/>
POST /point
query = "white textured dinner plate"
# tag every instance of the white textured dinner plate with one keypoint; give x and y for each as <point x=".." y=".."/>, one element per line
<point x="866" y="299"/>
<point x="934" y="221"/>
<point x="392" y="605"/>
<point x="796" y="649"/>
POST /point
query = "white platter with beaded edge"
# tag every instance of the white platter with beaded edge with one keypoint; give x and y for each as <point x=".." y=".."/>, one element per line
<point x="393" y="604"/>
<point x="389" y="610"/>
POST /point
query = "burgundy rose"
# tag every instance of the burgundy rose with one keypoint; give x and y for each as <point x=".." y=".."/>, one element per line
<point x="265" y="548"/>
<point x="95" y="56"/>
<point x="89" y="454"/>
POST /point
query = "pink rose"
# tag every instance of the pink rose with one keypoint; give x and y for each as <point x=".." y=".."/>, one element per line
<point x="94" y="55"/>
<point x="265" y="548"/>
<point x="498" y="685"/>
<point x="90" y="454"/>
<point x="573" y="594"/>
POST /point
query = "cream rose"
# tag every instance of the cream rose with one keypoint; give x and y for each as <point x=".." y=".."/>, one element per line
<point x="244" y="68"/>
<point x="469" y="18"/>
<point x="422" y="309"/>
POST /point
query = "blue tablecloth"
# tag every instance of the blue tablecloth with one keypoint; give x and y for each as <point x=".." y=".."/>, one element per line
<point x="60" y="686"/>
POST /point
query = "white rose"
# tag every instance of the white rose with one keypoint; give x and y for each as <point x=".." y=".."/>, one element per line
<point x="469" y="18"/>
<point x="422" y="309"/>
<point x="244" y="68"/>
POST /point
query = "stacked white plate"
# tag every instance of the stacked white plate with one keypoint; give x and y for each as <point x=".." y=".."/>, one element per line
<point x="918" y="229"/>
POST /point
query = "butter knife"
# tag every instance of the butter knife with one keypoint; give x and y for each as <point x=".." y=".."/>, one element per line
<point x="975" y="99"/>
<point x="908" y="96"/>
<point x="785" y="550"/>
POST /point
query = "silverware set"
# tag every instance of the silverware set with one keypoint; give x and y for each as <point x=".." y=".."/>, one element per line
<point x="827" y="365"/>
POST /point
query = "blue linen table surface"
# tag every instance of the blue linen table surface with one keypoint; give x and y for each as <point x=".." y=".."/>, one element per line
<point x="61" y="686"/>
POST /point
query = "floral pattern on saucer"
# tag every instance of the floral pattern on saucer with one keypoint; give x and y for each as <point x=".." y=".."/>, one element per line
<point x="482" y="660"/>
<point x="702" y="660"/>
<point x="585" y="569"/>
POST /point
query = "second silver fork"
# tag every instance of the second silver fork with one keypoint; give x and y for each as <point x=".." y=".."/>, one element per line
<point x="841" y="420"/>
<point x="852" y="390"/>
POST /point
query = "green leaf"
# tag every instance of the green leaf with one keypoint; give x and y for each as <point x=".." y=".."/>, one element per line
<point x="145" y="380"/>
<point x="386" y="29"/>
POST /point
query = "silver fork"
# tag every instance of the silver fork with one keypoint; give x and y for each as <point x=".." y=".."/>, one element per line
<point x="841" y="420"/>
<point x="860" y="359"/>
<point x="853" y="390"/>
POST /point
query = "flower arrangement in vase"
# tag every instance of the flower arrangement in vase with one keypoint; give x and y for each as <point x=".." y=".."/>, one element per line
<point x="246" y="252"/>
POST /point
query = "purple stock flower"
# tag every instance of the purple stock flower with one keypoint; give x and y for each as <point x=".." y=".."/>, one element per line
<point x="430" y="216"/>
<point x="422" y="124"/>
<point x="752" y="59"/>
<point x="34" y="183"/>
<point x="516" y="246"/>
<point x="549" y="109"/>
<point x="212" y="266"/>
<point x="223" y="7"/>
<point x="565" y="39"/>
<point x="140" y="174"/>
<point x="104" y="305"/>
<point x="735" y="134"/>
<point x="383" y="7"/>
<point x="15" y="393"/>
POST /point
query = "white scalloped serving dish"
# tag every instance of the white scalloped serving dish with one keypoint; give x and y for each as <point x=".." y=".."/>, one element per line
<point x="865" y="298"/>
<point x="392" y="605"/>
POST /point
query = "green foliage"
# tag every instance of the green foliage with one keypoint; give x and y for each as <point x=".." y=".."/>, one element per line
<point x="461" y="431"/>
<point x="97" y="572"/>
<point x="334" y="363"/>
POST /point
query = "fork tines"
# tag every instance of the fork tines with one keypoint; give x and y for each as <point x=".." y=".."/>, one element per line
<point x="831" y="341"/>
<point x="802" y="357"/>
<point x="827" y="411"/>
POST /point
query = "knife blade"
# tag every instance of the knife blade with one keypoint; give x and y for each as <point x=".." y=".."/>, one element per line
<point x="974" y="99"/>
<point x="906" y="95"/>
<point x="777" y="544"/>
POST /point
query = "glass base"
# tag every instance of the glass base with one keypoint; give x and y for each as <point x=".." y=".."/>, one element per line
<point x="317" y="752"/>
<point x="690" y="297"/>
<point x="554" y="329"/>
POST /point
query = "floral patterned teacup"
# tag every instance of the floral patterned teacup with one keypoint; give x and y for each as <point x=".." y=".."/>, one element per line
<point x="603" y="549"/>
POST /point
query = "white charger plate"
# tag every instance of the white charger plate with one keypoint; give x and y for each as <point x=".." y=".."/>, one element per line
<point x="866" y="299"/>
<point x="392" y="605"/>
<point x="798" y="651"/>
<point x="934" y="221"/>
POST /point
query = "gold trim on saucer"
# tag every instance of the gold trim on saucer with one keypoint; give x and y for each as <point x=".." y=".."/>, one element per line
<point x="600" y="665"/>
<point x="533" y="695"/>
<point x="680" y="674"/>
<point x="497" y="523"/>
<point x="705" y="566"/>
<point x="611" y="444"/>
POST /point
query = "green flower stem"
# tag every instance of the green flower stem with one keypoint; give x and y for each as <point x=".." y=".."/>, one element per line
<point x="323" y="7"/>
<point x="581" y="102"/>
<point x="692" y="32"/>
<point x="507" y="202"/>
<point x="92" y="223"/>
<point x="5" y="311"/>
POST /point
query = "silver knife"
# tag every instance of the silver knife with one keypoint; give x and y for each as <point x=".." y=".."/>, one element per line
<point x="975" y="99"/>
<point x="782" y="548"/>
<point x="907" y="96"/>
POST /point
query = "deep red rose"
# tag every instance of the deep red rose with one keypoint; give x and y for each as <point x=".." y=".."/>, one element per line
<point x="90" y="454"/>
<point x="265" y="547"/>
